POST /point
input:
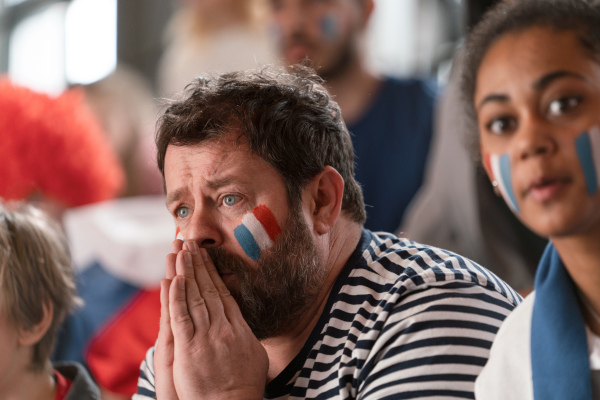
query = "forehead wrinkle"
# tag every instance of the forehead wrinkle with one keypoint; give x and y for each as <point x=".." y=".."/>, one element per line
<point x="175" y="196"/>
<point x="225" y="170"/>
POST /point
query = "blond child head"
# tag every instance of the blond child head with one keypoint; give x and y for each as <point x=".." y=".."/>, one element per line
<point x="37" y="288"/>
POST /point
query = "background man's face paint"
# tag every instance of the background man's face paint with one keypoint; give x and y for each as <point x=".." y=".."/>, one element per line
<point x="587" y="146"/>
<point x="499" y="165"/>
<point x="257" y="232"/>
<point x="179" y="235"/>
<point x="329" y="26"/>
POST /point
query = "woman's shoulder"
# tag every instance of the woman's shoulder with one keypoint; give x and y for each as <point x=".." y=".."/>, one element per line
<point x="507" y="373"/>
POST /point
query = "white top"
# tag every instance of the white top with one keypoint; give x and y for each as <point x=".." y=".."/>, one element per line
<point x="507" y="374"/>
<point x="129" y="237"/>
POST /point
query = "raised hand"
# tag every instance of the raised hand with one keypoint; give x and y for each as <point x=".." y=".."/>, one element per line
<point x="216" y="355"/>
<point x="164" y="350"/>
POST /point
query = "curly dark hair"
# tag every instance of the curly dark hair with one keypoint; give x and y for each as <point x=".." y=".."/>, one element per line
<point x="287" y="118"/>
<point x="579" y="16"/>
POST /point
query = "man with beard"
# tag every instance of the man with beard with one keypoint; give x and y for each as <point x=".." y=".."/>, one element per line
<point x="274" y="289"/>
<point x="391" y="119"/>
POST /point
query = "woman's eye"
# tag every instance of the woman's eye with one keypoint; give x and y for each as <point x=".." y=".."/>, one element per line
<point x="183" y="212"/>
<point x="499" y="126"/>
<point x="230" y="200"/>
<point x="560" y="106"/>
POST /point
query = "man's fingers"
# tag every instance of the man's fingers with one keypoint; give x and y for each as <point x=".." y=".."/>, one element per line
<point x="210" y="288"/>
<point x="170" y="266"/>
<point x="164" y="354"/>
<point x="176" y="246"/>
<point x="164" y="345"/>
<point x="165" y="335"/>
<point x="181" y="322"/>
<point x="230" y="306"/>
<point x="195" y="303"/>
<point x="213" y="273"/>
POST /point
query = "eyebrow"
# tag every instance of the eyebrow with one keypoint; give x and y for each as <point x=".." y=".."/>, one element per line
<point x="545" y="80"/>
<point x="174" y="196"/>
<point x="492" y="97"/>
<point x="538" y="85"/>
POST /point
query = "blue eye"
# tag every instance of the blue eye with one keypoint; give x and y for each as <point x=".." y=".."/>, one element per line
<point x="230" y="200"/>
<point x="183" y="212"/>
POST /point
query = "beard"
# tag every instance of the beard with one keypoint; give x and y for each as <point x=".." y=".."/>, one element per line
<point x="281" y="286"/>
<point x="338" y="65"/>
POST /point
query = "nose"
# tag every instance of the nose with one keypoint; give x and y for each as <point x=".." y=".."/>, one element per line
<point x="204" y="228"/>
<point x="535" y="138"/>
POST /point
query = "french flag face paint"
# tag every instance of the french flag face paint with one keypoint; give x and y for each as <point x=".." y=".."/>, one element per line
<point x="587" y="146"/>
<point x="329" y="26"/>
<point x="257" y="232"/>
<point x="500" y="167"/>
<point x="179" y="235"/>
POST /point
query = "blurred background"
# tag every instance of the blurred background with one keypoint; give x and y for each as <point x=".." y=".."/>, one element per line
<point x="49" y="45"/>
<point x="124" y="57"/>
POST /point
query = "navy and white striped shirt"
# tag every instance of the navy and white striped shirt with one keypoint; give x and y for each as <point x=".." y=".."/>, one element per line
<point x="403" y="321"/>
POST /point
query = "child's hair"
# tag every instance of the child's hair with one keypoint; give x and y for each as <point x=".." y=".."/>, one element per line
<point x="579" y="16"/>
<point x="35" y="272"/>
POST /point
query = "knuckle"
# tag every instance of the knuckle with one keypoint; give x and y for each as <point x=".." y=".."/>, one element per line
<point x="196" y="301"/>
<point x="181" y="319"/>
<point x="224" y="334"/>
<point x="210" y="292"/>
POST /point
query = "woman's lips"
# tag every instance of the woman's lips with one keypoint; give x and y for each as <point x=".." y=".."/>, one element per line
<point x="545" y="189"/>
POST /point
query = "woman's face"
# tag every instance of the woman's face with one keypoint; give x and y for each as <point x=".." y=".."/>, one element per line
<point x="537" y="100"/>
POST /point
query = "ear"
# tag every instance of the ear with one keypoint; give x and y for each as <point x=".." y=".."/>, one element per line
<point x="30" y="337"/>
<point x="326" y="191"/>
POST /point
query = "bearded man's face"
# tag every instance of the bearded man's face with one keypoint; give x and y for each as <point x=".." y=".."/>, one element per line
<point x="277" y="289"/>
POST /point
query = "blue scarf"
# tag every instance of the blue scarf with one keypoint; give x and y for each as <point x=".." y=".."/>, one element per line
<point x="559" y="354"/>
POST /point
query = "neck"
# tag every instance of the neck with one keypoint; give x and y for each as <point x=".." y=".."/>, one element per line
<point x="581" y="256"/>
<point x="353" y="88"/>
<point x="24" y="383"/>
<point x="282" y="349"/>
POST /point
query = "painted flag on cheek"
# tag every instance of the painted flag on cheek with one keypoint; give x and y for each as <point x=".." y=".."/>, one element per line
<point x="500" y="167"/>
<point x="257" y="232"/>
<point x="179" y="235"/>
<point x="587" y="146"/>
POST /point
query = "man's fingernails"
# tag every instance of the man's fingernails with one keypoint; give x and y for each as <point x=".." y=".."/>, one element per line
<point x="181" y="282"/>
<point x="193" y="247"/>
<point x="204" y="255"/>
<point x="187" y="257"/>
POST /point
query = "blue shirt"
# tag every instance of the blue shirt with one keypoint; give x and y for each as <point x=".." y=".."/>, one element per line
<point x="391" y="143"/>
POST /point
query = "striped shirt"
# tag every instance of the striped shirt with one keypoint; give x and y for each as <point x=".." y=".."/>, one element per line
<point x="403" y="321"/>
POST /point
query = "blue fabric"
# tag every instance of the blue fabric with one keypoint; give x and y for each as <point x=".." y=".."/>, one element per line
<point x="583" y="145"/>
<point x="391" y="142"/>
<point x="559" y="354"/>
<point x="103" y="295"/>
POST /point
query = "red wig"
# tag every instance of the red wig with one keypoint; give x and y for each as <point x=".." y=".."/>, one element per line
<point x="54" y="145"/>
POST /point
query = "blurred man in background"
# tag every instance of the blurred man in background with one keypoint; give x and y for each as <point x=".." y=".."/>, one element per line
<point x="391" y="120"/>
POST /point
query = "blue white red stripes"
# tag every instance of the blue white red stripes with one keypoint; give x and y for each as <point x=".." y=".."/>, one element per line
<point x="257" y="232"/>
<point x="179" y="235"/>
<point x="499" y="166"/>
<point x="587" y="146"/>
